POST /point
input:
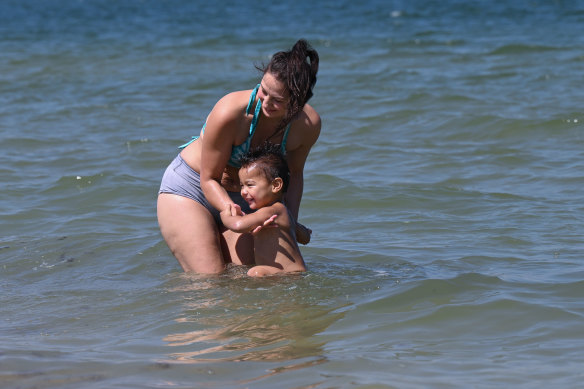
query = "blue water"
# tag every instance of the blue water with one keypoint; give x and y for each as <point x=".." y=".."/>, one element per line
<point x="444" y="194"/>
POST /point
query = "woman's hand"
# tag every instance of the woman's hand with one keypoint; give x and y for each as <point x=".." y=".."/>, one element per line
<point x="303" y="234"/>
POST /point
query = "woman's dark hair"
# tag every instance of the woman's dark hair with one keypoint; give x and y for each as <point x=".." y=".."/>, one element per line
<point x="269" y="159"/>
<point x="297" y="69"/>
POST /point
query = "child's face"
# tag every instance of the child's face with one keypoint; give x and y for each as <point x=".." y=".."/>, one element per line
<point x="256" y="189"/>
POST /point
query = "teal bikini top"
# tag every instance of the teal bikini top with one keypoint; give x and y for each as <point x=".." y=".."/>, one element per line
<point x="239" y="150"/>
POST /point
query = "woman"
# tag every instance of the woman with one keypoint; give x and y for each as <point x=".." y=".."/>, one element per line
<point x="203" y="178"/>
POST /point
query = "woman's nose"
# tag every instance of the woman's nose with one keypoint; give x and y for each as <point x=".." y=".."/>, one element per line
<point x="267" y="100"/>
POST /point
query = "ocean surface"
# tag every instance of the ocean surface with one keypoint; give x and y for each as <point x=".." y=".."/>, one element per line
<point x="445" y="196"/>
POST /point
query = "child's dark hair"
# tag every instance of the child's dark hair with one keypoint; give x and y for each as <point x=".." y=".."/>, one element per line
<point x="269" y="159"/>
<point x="297" y="69"/>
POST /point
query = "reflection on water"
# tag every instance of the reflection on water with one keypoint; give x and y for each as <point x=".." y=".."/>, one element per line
<point x="235" y="318"/>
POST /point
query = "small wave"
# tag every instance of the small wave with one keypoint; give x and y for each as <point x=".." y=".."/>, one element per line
<point x="522" y="49"/>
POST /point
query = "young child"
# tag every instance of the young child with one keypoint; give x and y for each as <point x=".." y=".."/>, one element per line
<point x="264" y="179"/>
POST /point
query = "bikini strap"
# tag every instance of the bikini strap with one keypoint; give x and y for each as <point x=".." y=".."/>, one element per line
<point x="284" y="138"/>
<point x="251" y="99"/>
<point x="256" y="114"/>
<point x="193" y="138"/>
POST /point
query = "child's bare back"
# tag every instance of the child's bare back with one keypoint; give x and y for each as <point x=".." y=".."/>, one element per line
<point x="275" y="248"/>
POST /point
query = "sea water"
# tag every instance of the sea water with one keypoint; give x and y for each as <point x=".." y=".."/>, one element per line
<point x="444" y="192"/>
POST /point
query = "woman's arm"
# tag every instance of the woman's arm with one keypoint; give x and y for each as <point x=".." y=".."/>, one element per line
<point x="309" y="130"/>
<point x="220" y="132"/>
<point x="307" y="134"/>
<point x="293" y="197"/>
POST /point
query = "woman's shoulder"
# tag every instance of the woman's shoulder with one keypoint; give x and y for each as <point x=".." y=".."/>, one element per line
<point x="232" y="104"/>
<point x="235" y="99"/>
<point x="310" y="116"/>
<point x="305" y="129"/>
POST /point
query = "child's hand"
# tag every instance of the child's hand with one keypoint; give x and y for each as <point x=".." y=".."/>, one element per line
<point x="230" y="210"/>
<point x="236" y="210"/>
<point x="270" y="222"/>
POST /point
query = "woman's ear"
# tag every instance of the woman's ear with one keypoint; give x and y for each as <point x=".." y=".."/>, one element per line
<point x="277" y="185"/>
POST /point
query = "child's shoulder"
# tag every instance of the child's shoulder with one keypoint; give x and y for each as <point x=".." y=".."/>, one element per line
<point x="282" y="211"/>
<point x="278" y="208"/>
<point x="273" y="209"/>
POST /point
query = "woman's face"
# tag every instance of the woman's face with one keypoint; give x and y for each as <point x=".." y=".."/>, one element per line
<point x="274" y="96"/>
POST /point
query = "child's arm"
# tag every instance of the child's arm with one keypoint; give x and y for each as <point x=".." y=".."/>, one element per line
<point x="238" y="222"/>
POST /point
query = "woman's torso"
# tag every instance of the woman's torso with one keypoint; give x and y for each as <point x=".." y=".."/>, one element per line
<point x="264" y="129"/>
